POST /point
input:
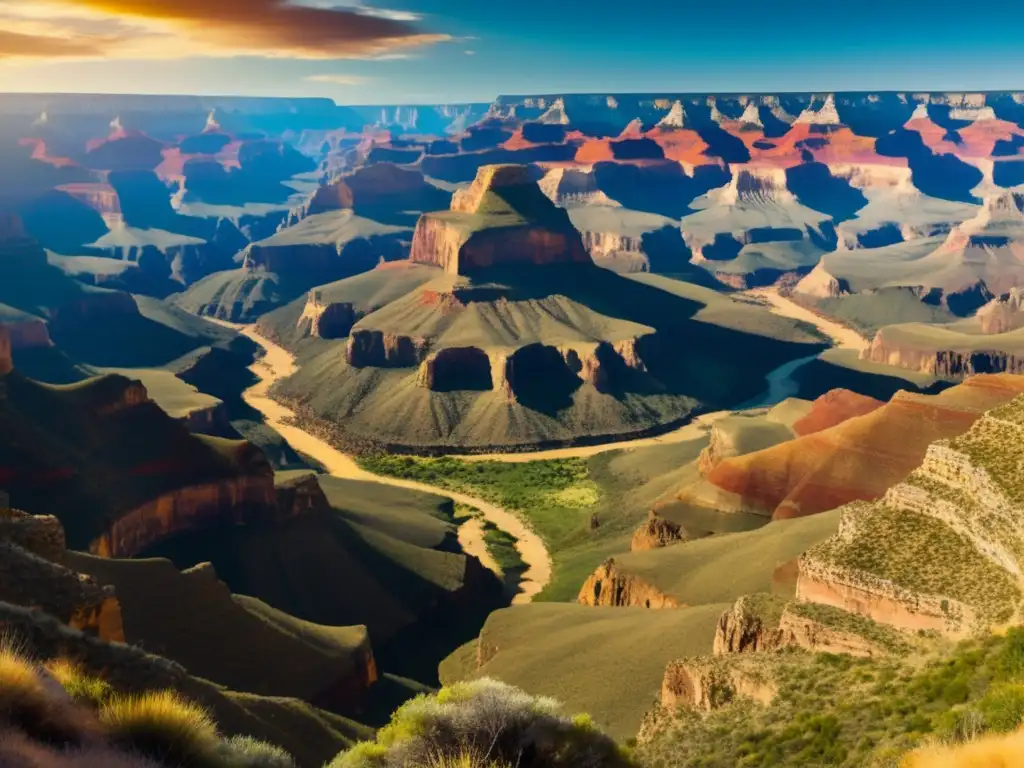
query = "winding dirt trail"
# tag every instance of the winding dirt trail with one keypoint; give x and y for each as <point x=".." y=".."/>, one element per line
<point x="279" y="363"/>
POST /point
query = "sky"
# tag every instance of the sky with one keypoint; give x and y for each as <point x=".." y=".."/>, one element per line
<point x="453" y="51"/>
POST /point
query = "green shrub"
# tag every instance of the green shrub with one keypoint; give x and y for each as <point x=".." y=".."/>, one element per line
<point x="487" y="724"/>
<point x="1002" y="707"/>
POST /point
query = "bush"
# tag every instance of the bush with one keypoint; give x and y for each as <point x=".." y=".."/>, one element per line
<point x="1002" y="707"/>
<point x="247" y="752"/>
<point x="485" y="724"/>
<point x="162" y="726"/>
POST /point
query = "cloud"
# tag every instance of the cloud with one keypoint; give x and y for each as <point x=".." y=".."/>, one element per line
<point x="20" y="45"/>
<point x="470" y="53"/>
<point x="338" y="79"/>
<point x="176" y="28"/>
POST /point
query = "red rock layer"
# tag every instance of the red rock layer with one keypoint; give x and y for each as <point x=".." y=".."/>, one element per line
<point x="858" y="459"/>
<point x="833" y="408"/>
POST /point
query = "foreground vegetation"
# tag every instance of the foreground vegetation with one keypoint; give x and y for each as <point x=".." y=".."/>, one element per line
<point x="485" y="724"/>
<point x="843" y="711"/>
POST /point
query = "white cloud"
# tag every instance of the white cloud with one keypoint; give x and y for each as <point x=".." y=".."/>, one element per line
<point x="470" y="53"/>
<point x="338" y="79"/>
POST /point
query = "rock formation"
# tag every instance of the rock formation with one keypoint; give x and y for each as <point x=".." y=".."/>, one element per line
<point x="33" y="574"/>
<point x="859" y="458"/>
<point x="502" y="218"/>
<point x="1003" y="314"/>
<point x="707" y="683"/>
<point x="324" y="320"/>
<point x="656" y="532"/>
<point x="608" y="586"/>
<point x="6" y="360"/>
<point x="962" y="506"/>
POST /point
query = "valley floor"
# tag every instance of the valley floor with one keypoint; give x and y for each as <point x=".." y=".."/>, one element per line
<point x="277" y="363"/>
<point x="844" y="337"/>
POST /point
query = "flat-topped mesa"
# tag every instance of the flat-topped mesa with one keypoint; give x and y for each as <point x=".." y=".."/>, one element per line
<point x="503" y="218"/>
<point x="955" y="356"/>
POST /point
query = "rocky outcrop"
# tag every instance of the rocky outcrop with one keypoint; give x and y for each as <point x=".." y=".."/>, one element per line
<point x="456" y="368"/>
<point x="767" y="623"/>
<point x="819" y="284"/>
<point x="1003" y="314"/>
<point x="239" y="500"/>
<point x="571" y="186"/>
<point x="610" y="586"/>
<point x="27" y="334"/>
<point x="367" y="348"/>
<point x="326" y="320"/>
<point x="655" y="533"/>
<point x="707" y="683"/>
<point x="33" y="575"/>
<point x="502" y="218"/>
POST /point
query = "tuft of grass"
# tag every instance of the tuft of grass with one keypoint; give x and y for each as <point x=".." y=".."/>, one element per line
<point x="82" y="687"/>
<point x="29" y="705"/>
<point x="247" y="752"/>
<point x="163" y="726"/>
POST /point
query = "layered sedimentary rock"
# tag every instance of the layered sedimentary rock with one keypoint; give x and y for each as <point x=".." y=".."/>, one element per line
<point x="766" y="623"/>
<point x="239" y="500"/>
<point x="502" y="218"/>
<point x="859" y="458"/>
<point x="891" y="559"/>
<point x="944" y="353"/>
<point x="1003" y="314"/>
<point x="609" y="586"/>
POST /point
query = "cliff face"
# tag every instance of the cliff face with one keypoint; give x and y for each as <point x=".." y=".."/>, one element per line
<point x="945" y="363"/>
<point x="90" y="306"/>
<point x="1003" y="314"/>
<point x="27" y="334"/>
<point x="608" y="586"/>
<point x="326" y="320"/>
<point x="384" y="350"/>
<point x="707" y="683"/>
<point x="236" y="500"/>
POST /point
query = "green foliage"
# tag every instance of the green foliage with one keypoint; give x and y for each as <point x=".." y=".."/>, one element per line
<point x="83" y="688"/>
<point x="845" y="712"/>
<point x="247" y="752"/>
<point x="485" y="724"/>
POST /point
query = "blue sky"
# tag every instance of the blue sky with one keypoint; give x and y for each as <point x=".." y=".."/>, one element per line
<point x="454" y="50"/>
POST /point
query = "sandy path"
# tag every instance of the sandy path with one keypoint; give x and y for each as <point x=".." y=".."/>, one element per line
<point x="278" y="363"/>
<point x="844" y="338"/>
<point x="471" y="539"/>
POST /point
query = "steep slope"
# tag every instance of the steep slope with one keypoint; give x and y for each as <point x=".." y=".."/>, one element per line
<point x="117" y="470"/>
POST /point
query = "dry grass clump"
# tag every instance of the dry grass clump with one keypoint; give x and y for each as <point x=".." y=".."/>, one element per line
<point x="59" y="716"/>
<point x="162" y="726"/>
<point x="485" y="724"/>
<point x="1002" y="751"/>
<point x="42" y="711"/>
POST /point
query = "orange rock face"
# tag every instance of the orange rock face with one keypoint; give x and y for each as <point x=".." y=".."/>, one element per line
<point x="861" y="457"/>
<point x="6" y="366"/>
